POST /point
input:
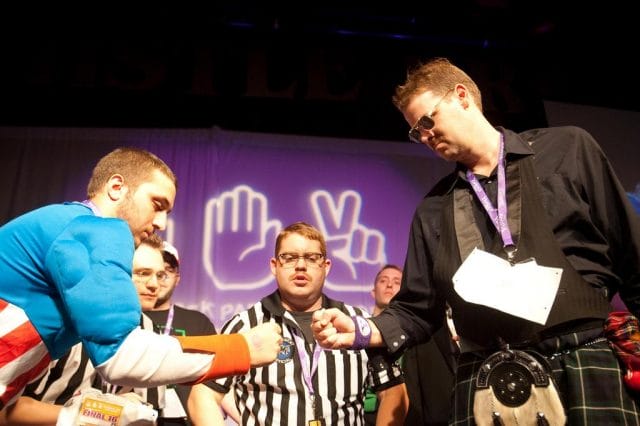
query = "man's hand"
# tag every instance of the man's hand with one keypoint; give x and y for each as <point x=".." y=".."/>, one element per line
<point x="356" y="250"/>
<point x="264" y="342"/>
<point x="237" y="230"/>
<point x="333" y="329"/>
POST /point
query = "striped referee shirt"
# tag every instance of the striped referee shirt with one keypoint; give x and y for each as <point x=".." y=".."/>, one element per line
<point x="277" y="394"/>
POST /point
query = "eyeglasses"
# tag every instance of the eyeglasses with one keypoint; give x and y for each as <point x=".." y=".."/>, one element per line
<point x="290" y="260"/>
<point x="145" y="275"/>
<point x="425" y="122"/>
<point x="171" y="271"/>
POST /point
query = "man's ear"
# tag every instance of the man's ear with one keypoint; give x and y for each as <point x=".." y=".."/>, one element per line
<point x="463" y="95"/>
<point x="116" y="188"/>
<point x="327" y="266"/>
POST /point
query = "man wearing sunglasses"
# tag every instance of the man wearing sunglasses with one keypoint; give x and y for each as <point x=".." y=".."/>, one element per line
<point x="308" y="385"/>
<point x="527" y="240"/>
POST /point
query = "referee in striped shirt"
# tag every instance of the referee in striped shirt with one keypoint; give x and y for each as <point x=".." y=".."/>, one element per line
<point x="308" y="386"/>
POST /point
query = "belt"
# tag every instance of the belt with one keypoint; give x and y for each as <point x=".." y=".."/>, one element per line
<point x="549" y="342"/>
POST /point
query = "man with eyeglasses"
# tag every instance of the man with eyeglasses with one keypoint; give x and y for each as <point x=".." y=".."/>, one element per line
<point x="74" y="372"/>
<point x="307" y="385"/>
<point x="183" y="404"/>
<point x="66" y="270"/>
<point x="527" y="240"/>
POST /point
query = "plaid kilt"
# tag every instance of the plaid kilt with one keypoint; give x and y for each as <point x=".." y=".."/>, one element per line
<point x="589" y="379"/>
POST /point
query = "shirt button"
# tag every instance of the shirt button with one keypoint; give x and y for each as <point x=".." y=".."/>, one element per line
<point x="395" y="344"/>
<point x="402" y="337"/>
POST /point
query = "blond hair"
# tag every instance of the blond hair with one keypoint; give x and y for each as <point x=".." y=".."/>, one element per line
<point x="438" y="75"/>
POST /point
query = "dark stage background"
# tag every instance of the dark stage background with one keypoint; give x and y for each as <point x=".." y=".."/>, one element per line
<point x="314" y="68"/>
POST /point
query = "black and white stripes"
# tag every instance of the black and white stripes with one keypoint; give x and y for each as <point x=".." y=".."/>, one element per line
<point x="278" y="395"/>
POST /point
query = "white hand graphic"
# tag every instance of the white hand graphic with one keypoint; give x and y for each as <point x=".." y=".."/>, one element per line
<point x="357" y="252"/>
<point x="236" y="233"/>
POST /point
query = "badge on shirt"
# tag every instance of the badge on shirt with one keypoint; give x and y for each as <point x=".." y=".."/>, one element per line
<point x="286" y="351"/>
<point x="525" y="289"/>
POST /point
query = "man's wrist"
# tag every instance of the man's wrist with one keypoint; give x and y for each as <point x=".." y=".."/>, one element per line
<point x="362" y="332"/>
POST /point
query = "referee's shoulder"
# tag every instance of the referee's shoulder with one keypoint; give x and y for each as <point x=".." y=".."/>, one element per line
<point x="244" y="320"/>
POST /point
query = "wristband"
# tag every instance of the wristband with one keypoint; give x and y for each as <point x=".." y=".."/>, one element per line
<point x="231" y="350"/>
<point x="362" y="331"/>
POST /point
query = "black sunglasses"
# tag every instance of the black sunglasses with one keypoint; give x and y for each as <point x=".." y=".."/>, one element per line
<point x="425" y="122"/>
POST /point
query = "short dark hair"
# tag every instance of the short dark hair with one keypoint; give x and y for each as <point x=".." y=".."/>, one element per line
<point x="387" y="266"/>
<point x="134" y="164"/>
<point x="170" y="259"/>
<point x="153" y="241"/>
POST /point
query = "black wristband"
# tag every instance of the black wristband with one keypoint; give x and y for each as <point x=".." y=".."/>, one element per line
<point x="363" y="332"/>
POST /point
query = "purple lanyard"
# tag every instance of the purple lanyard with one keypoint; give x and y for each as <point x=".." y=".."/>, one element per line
<point x="93" y="207"/>
<point x="167" y="326"/>
<point x="498" y="216"/>
<point x="307" y="373"/>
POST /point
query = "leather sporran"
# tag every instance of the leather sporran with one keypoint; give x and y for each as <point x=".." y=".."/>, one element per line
<point x="515" y="388"/>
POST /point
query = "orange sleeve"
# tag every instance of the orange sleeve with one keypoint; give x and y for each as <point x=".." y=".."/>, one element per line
<point x="231" y="350"/>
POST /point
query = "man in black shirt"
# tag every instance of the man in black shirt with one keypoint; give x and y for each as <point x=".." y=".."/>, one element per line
<point x="183" y="403"/>
<point x="542" y="210"/>
<point x="385" y="285"/>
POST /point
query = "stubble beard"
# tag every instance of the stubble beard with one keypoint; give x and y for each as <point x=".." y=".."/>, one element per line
<point x="127" y="212"/>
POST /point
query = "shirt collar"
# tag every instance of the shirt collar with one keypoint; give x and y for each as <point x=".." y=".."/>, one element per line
<point x="273" y="303"/>
<point x="514" y="147"/>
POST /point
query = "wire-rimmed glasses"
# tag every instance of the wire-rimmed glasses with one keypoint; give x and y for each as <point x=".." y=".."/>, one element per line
<point x="290" y="260"/>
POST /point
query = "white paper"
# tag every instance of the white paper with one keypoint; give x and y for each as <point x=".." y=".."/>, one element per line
<point x="526" y="290"/>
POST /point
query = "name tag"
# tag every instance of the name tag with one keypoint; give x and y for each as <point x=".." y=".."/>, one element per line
<point x="526" y="289"/>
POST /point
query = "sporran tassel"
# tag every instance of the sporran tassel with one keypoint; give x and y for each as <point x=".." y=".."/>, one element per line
<point x="541" y="420"/>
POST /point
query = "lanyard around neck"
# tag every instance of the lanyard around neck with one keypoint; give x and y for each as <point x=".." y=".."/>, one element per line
<point x="498" y="215"/>
<point x="167" y="326"/>
<point x="308" y="371"/>
<point x="93" y="207"/>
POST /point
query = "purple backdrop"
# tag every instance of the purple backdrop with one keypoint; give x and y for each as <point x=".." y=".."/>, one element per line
<point x="236" y="191"/>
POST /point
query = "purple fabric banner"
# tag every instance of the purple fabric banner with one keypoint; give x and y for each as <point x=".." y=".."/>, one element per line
<point x="237" y="190"/>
